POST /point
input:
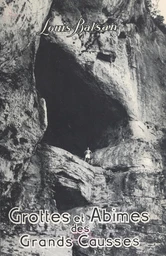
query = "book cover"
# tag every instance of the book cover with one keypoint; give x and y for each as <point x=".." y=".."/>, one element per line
<point x="82" y="128"/>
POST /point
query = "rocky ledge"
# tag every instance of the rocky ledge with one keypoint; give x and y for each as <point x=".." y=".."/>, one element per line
<point x="62" y="93"/>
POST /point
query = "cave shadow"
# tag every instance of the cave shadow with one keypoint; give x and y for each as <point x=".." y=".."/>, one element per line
<point x="78" y="112"/>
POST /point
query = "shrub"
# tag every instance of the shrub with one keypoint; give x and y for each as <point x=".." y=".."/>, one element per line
<point x="156" y="16"/>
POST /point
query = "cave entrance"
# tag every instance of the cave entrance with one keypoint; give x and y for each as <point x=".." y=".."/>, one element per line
<point x="77" y="114"/>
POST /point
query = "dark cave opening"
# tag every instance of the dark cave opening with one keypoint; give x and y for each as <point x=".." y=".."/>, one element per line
<point x="77" y="113"/>
<point x="74" y="200"/>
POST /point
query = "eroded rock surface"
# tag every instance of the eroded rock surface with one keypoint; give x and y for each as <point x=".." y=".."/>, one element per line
<point x="121" y="77"/>
<point x="23" y="113"/>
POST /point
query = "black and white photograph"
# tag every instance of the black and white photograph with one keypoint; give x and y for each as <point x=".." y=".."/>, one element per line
<point x="83" y="127"/>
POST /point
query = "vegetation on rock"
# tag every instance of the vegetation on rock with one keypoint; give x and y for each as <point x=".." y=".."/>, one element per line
<point x="156" y="16"/>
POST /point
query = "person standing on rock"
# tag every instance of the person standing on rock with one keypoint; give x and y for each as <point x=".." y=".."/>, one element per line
<point x="88" y="155"/>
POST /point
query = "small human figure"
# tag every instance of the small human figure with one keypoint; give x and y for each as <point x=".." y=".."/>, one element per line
<point x="88" y="155"/>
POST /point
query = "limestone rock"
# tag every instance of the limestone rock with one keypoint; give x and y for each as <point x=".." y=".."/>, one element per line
<point x="65" y="178"/>
<point x="111" y="94"/>
<point x="22" y="123"/>
<point x="129" y="154"/>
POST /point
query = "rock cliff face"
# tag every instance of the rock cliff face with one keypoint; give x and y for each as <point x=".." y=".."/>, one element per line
<point x="23" y="114"/>
<point x="105" y="90"/>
